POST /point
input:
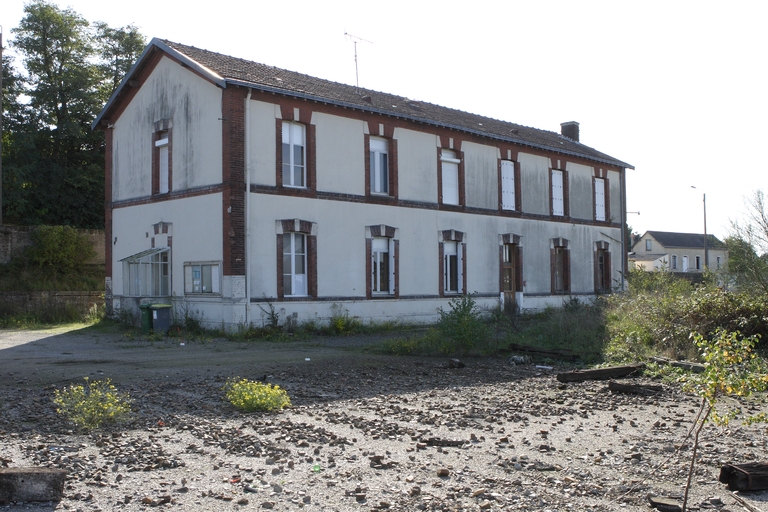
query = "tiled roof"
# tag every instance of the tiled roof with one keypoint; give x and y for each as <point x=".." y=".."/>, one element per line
<point x="261" y="76"/>
<point x="689" y="240"/>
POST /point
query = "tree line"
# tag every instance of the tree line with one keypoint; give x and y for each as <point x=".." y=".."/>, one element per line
<point x="52" y="161"/>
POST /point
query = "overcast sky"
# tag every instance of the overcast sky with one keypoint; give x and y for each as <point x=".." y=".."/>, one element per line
<point x="675" y="88"/>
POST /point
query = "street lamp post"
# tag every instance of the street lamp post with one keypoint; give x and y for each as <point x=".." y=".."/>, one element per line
<point x="706" y="242"/>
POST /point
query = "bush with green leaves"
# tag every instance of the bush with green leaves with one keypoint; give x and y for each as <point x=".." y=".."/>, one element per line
<point x="248" y="395"/>
<point x="731" y="369"/>
<point x="659" y="311"/>
<point x="92" y="405"/>
<point x="60" y="248"/>
<point x="462" y="328"/>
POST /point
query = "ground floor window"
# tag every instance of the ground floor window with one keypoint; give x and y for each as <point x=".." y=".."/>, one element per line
<point x="147" y="274"/>
<point x="294" y="264"/>
<point x="560" y="265"/>
<point x="602" y="268"/>
<point x="203" y="278"/>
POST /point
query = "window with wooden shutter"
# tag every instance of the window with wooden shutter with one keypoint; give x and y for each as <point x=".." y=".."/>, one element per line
<point x="507" y="185"/>
<point x="558" y="196"/>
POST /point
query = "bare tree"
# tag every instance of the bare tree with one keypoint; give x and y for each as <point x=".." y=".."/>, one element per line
<point x="748" y="246"/>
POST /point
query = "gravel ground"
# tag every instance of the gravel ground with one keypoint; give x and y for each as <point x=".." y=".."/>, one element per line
<point x="365" y="432"/>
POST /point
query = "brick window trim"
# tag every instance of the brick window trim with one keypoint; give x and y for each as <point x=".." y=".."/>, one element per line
<point x="606" y="198"/>
<point x="516" y="241"/>
<point x="607" y="272"/>
<point x="164" y="125"/>
<point x="566" y="198"/>
<point x="460" y="157"/>
<point x="386" y="232"/>
<point x="563" y="244"/>
<point x="392" y="170"/>
<point x="310" y="134"/>
<point x="310" y="230"/>
<point x="452" y="235"/>
<point x="518" y="186"/>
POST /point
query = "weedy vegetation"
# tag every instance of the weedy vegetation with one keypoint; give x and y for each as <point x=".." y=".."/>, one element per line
<point x="92" y="405"/>
<point x="249" y="396"/>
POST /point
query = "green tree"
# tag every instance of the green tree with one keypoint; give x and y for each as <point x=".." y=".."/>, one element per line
<point x="53" y="162"/>
<point x="747" y="246"/>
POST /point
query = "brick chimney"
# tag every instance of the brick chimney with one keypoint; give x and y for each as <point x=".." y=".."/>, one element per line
<point x="570" y="129"/>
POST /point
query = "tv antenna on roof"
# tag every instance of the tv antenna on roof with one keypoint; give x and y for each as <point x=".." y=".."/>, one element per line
<point x="356" y="40"/>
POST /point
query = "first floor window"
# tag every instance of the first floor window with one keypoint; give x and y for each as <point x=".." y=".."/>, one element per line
<point x="602" y="269"/>
<point x="648" y="245"/>
<point x="719" y="262"/>
<point x="203" y="278"/>
<point x="163" y="161"/>
<point x="379" y="151"/>
<point x="560" y="265"/>
<point x="558" y="193"/>
<point x="147" y="274"/>
<point x="382" y="266"/>
<point x="449" y="168"/>
<point x="599" y="199"/>
<point x="507" y="185"/>
<point x="453" y="267"/>
<point x="294" y="155"/>
<point x="294" y="264"/>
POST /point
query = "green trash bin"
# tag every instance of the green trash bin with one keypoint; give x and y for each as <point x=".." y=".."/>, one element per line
<point x="146" y="318"/>
<point x="161" y="317"/>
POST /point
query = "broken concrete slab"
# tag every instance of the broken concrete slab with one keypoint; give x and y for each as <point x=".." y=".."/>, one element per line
<point x="31" y="484"/>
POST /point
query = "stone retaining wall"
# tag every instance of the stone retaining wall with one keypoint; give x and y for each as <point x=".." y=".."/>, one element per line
<point x="16" y="238"/>
<point x="12" y="303"/>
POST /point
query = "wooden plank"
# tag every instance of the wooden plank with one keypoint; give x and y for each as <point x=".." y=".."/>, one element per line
<point x="611" y="372"/>
<point x="635" y="389"/>
<point x="752" y="476"/>
<point x="31" y="484"/>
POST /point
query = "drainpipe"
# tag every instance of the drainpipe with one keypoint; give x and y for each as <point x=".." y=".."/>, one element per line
<point x="247" y="144"/>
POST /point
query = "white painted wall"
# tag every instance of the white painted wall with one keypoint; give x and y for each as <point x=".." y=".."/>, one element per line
<point x="580" y="192"/>
<point x="194" y="107"/>
<point x="534" y="177"/>
<point x="340" y="154"/>
<point x="417" y="165"/>
<point x="262" y="137"/>
<point x="196" y="234"/>
<point x="481" y="174"/>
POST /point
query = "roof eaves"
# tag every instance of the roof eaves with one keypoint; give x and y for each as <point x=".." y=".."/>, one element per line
<point x="428" y="121"/>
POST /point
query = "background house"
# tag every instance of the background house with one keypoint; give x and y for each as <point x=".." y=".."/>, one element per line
<point x="233" y="187"/>
<point x="678" y="252"/>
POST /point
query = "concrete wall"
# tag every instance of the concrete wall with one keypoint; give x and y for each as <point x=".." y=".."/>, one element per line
<point x="12" y="303"/>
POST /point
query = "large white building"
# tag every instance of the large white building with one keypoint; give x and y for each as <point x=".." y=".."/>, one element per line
<point x="232" y="186"/>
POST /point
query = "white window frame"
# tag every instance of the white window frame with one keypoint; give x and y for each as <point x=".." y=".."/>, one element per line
<point x="685" y="263"/>
<point x="382" y="259"/>
<point x="202" y="278"/>
<point x="507" y="185"/>
<point x="379" y="160"/>
<point x="449" y="168"/>
<point x="648" y="245"/>
<point x="163" y="162"/>
<point x="299" y="285"/>
<point x="558" y="193"/>
<point x="599" y="199"/>
<point x="455" y="269"/>
<point x="674" y="262"/>
<point x="294" y="136"/>
<point x="147" y="274"/>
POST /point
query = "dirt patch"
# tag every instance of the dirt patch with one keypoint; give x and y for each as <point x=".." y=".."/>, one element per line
<point x="366" y="432"/>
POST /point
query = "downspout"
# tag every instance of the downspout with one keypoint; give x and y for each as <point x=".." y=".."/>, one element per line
<point x="247" y="144"/>
<point x="624" y="241"/>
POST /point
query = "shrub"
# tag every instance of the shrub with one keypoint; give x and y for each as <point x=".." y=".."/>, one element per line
<point x="92" y="405"/>
<point x="462" y="328"/>
<point x="61" y="248"/>
<point x="250" y="395"/>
